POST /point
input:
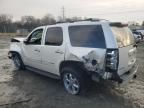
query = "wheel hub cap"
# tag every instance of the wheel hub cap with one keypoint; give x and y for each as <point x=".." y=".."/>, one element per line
<point x="71" y="83"/>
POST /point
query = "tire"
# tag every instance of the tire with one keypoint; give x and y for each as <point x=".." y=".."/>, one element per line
<point x="73" y="80"/>
<point x="18" y="63"/>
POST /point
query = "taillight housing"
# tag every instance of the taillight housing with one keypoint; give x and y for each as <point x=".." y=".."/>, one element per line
<point x="112" y="60"/>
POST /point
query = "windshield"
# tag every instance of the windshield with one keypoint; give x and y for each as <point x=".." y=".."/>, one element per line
<point x="123" y="36"/>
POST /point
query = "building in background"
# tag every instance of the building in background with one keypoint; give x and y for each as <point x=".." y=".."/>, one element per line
<point x="22" y="32"/>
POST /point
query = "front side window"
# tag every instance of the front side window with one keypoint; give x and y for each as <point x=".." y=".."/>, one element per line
<point x="54" y="36"/>
<point x="123" y="36"/>
<point x="35" y="37"/>
<point x="87" y="36"/>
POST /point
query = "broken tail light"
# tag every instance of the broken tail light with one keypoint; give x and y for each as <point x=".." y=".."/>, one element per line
<point x="111" y="63"/>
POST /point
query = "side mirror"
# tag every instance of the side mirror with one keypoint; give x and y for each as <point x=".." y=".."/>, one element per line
<point x="25" y="41"/>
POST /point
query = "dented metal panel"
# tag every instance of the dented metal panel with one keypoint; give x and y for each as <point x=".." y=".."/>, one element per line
<point x="92" y="61"/>
<point x="17" y="39"/>
<point x="93" y="58"/>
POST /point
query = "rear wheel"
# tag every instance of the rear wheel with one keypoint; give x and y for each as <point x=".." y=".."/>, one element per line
<point x="73" y="80"/>
<point x="18" y="63"/>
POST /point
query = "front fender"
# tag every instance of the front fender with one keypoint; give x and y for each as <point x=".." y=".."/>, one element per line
<point x="16" y="47"/>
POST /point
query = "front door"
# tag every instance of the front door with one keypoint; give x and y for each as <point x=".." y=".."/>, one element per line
<point x="32" y="49"/>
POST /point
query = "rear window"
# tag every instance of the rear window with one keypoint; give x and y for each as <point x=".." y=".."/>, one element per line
<point x="123" y="36"/>
<point x="87" y="36"/>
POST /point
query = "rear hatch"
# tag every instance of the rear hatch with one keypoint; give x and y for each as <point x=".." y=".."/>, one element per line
<point x="127" y="50"/>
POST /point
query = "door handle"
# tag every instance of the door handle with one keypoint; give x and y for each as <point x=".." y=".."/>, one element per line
<point x="37" y="50"/>
<point x="58" y="51"/>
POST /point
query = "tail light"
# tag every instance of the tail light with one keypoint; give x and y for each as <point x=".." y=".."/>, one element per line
<point x="112" y="59"/>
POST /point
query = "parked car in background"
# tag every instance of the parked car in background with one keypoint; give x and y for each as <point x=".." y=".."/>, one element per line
<point x="137" y="36"/>
<point x="77" y="52"/>
<point x="141" y="31"/>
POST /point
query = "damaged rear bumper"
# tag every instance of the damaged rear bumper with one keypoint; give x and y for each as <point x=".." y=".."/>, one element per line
<point x="130" y="74"/>
<point x="126" y="77"/>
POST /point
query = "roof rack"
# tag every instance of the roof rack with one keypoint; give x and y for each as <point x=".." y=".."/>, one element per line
<point x="118" y="24"/>
<point x="89" y="19"/>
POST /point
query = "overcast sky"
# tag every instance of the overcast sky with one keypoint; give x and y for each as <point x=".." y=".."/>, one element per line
<point x="113" y="10"/>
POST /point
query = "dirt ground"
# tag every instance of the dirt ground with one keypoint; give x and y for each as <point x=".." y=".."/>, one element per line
<point x="26" y="89"/>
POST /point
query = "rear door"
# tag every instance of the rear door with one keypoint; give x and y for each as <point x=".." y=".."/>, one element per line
<point x="127" y="50"/>
<point x="53" y="50"/>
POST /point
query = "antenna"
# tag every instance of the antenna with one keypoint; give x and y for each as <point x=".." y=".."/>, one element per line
<point x="63" y="13"/>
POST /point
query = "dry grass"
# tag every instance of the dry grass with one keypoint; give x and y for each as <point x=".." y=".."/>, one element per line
<point x="7" y="34"/>
<point x="11" y="34"/>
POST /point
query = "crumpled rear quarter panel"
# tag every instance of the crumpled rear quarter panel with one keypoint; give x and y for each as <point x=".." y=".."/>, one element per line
<point x="87" y="55"/>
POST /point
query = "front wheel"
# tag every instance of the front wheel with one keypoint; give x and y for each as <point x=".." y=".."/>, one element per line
<point x="18" y="63"/>
<point x="73" y="80"/>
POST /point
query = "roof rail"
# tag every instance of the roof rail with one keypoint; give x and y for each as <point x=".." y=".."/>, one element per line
<point x="89" y="19"/>
<point x="95" y="19"/>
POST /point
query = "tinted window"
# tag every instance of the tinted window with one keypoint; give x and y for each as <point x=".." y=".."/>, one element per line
<point x="123" y="36"/>
<point x="35" y="37"/>
<point x="54" y="36"/>
<point x="87" y="36"/>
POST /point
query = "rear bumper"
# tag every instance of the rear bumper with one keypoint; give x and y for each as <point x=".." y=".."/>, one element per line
<point x="126" y="77"/>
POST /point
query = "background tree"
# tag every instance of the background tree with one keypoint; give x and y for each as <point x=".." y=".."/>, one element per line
<point x="59" y="19"/>
<point x="6" y="23"/>
<point x="48" y="19"/>
<point x="28" y="22"/>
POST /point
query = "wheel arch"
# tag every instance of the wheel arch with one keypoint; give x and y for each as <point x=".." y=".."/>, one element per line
<point x="74" y="64"/>
<point x="15" y="52"/>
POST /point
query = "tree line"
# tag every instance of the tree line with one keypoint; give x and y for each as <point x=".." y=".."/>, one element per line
<point x="7" y="25"/>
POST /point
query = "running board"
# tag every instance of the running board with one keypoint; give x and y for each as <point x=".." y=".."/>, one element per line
<point x="41" y="72"/>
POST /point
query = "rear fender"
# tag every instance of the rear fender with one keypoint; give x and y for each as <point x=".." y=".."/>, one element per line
<point x="92" y="59"/>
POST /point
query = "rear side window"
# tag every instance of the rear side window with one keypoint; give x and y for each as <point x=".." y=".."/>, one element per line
<point x="54" y="36"/>
<point x="87" y="36"/>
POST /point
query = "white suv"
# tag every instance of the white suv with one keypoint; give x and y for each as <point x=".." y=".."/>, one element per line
<point x="78" y="51"/>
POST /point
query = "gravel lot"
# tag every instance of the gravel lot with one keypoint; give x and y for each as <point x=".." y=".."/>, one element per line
<point x="26" y="89"/>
